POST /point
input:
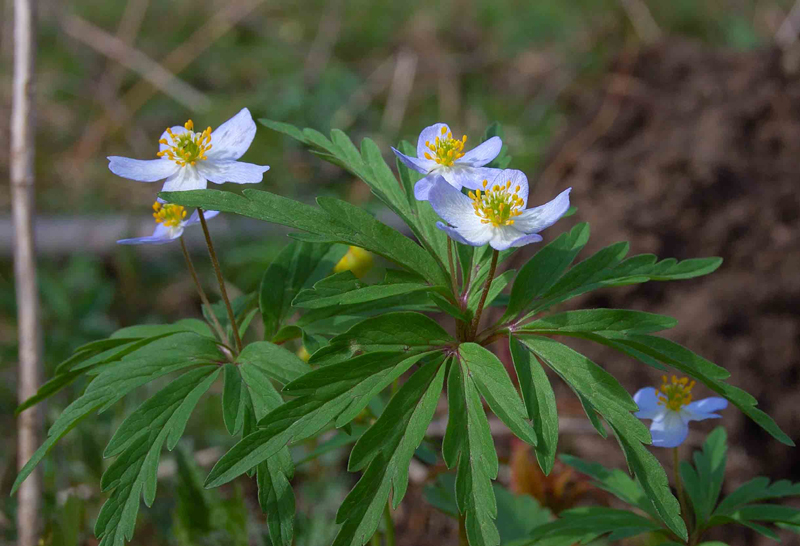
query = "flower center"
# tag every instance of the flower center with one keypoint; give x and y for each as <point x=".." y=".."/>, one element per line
<point x="675" y="394"/>
<point x="169" y="215"/>
<point x="445" y="149"/>
<point x="497" y="205"/>
<point x="186" y="148"/>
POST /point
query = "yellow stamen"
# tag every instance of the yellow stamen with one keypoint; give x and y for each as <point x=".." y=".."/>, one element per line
<point x="186" y="148"/>
<point x="497" y="206"/>
<point x="169" y="215"/>
<point x="675" y="393"/>
<point x="445" y="149"/>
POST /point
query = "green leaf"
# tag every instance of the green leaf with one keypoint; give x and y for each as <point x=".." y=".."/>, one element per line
<point x="703" y="482"/>
<point x="355" y="227"/>
<point x="386" y="450"/>
<point x="494" y="384"/>
<point x="277" y="362"/>
<point x="586" y="524"/>
<point x="757" y="489"/>
<point x="616" y="482"/>
<point x="618" y="321"/>
<point x="543" y="270"/>
<point x="139" y="441"/>
<point x="294" y="267"/>
<point x="233" y="404"/>
<point x="150" y="330"/>
<point x="540" y="401"/>
<point x="518" y="515"/>
<point x="162" y="357"/>
<point x="335" y="392"/>
<point x="468" y="443"/>
<point x="276" y="497"/>
<point x="498" y="285"/>
<point x="345" y="289"/>
<point x="448" y="307"/>
<point x="401" y="332"/>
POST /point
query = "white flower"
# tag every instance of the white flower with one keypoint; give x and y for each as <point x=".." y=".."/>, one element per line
<point x="671" y="410"/>
<point x="496" y="215"/>
<point x="188" y="160"/>
<point x="170" y="223"/>
<point x="439" y="154"/>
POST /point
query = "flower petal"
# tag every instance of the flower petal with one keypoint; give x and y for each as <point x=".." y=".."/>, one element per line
<point x="453" y="206"/>
<point x="464" y="176"/>
<point x="517" y="178"/>
<point x="538" y="218"/>
<point x="187" y="178"/>
<point x="237" y="172"/>
<point x="704" y="409"/>
<point x="423" y="165"/>
<point x="647" y="400"/>
<point x="422" y="188"/>
<point x="429" y="134"/>
<point x="504" y="237"/>
<point x="477" y="236"/>
<point x="232" y="139"/>
<point x="670" y="431"/>
<point x="482" y="154"/>
<point x="143" y="170"/>
<point x="527" y="239"/>
<point x="160" y="236"/>
<point x="195" y="217"/>
<point x="177" y="130"/>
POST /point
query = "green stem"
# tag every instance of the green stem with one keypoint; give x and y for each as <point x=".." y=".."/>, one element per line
<point x="387" y="517"/>
<point x="217" y="326"/>
<point x="676" y="467"/>
<point x="453" y="281"/>
<point x="221" y="281"/>
<point x="479" y="311"/>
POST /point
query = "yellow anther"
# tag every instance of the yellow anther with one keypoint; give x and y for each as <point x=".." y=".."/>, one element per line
<point x="675" y="393"/>
<point x="189" y="125"/>
<point x="428" y="156"/>
<point x="485" y="182"/>
<point x="444" y="149"/>
<point x="444" y="130"/>
<point x="186" y="148"/>
<point x="497" y="206"/>
<point x="169" y="215"/>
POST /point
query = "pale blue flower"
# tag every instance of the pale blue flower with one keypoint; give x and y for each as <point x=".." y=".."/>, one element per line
<point x="439" y="154"/>
<point x="671" y="409"/>
<point x="188" y="160"/>
<point x="495" y="215"/>
<point x="170" y="222"/>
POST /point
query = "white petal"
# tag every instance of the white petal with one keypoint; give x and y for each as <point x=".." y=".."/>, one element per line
<point x="517" y="178"/>
<point x="429" y="134"/>
<point x="504" y="237"/>
<point x="160" y="236"/>
<point x="423" y="165"/>
<point x="195" y="217"/>
<point x="237" y="172"/>
<point x="670" y="431"/>
<point x="647" y="400"/>
<point x="473" y="236"/>
<point x="422" y="188"/>
<point x="527" y="239"/>
<point x="177" y="130"/>
<point x="187" y="178"/>
<point x="538" y="218"/>
<point x="232" y="139"/>
<point x="453" y="206"/>
<point x="468" y="177"/>
<point x="704" y="409"/>
<point x="143" y="170"/>
<point x="483" y="153"/>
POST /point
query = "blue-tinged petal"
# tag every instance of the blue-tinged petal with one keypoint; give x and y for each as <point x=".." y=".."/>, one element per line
<point x="195" y="217"/>
<point x="142" y="170"/>
<point x="237" y="172"/>
<point x="423" y="165"/>
<point x="704" y="409"/>
<point x="527" y="239"/>
<point x="464" y="176"/>
<point x="187" y="178"/>
<point x="422" y="188"/>
<point x="429" y="134"/>
<point x="160" y="236"/>
<point x="483" y="153"/>
<point x="517" y="179"/>
<point x="504" y="237"/>
<point x="453" y="207"/>
<point x="670" y="431"/>
<point x="177" y="130"/>
<point x="538" y="218"/>
<point x="647" y="400"/>
<point x="232" y="139"/>
<point x="477" y="236"/>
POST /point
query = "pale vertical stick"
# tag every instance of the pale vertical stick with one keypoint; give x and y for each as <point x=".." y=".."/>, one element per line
<point x="22" y="152"/>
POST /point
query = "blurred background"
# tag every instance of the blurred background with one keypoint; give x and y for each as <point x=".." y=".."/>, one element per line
<point x="677" y="124"/>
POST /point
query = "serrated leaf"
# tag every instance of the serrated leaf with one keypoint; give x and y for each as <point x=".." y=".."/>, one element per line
<point x="164" y="356"/>
<point x="615" y="481"/>
<point x="757" y="489"/>
<point x="621" y="321"/>
<point x="276" y="497"/>
<point x="345" y="289"/>
<point x="703" y="482"/>
<point x="233" y="404"/>
<point x="276" y="361"/>
<point x="540" y="401"/>
<point x="324" y="395"/>
<point x="586" y="524"/>
<point x="387" y="448"/>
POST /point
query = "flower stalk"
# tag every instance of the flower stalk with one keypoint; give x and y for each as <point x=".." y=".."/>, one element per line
<point x="476" y="321"/>
<point x="676" y="467"/>
<point x="202" y="293"/>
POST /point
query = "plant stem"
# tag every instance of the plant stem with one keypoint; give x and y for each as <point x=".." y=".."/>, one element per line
<point x="486" y="287"/>
<point x="387" y="517"/>
<point x="453" y="280"/>
<point x="462" y="530"/>
<point x="217" y="326"/>
<point x="676" y="467"/>
<point x="221" y="281"/>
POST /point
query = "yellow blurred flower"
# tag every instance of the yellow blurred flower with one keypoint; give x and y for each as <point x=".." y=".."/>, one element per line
<point x="303" y="354"/>
<point x="357" y="260"/>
